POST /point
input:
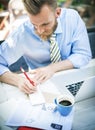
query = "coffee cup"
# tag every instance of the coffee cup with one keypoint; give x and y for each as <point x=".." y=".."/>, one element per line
<point x="64" y="104"/>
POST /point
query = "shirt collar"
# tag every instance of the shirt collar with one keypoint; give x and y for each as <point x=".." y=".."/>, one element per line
<point x="59" y="28"/>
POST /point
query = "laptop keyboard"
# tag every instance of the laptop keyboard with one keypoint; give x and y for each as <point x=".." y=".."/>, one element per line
<point x="74" y="88"/>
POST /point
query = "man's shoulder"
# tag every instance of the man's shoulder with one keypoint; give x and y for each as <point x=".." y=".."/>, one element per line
<point x="68" y="12"/>
<point x="23" y="28"/>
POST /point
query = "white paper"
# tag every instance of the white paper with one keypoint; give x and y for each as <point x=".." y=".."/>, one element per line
<point x="40" y="116"/>
<point x="37" y="97"/>
<point x="49" y="87"/>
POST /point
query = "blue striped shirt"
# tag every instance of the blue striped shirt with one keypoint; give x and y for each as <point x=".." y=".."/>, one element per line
<point x="71" y="36"/>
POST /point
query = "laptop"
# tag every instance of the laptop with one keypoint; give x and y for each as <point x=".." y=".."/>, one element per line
<point x="79" y="82"/>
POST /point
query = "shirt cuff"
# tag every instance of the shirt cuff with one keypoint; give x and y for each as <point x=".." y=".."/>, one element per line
<point x="79" y="61"/>
<point x="3" y="69"/>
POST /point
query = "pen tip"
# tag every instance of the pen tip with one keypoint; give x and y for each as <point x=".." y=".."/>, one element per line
<point x="21" y="69"/>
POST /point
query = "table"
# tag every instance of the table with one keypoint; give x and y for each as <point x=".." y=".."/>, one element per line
<point x="11" y="95"/>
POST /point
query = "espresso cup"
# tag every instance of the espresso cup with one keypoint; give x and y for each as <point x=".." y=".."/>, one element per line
<point x="64" y="104"/>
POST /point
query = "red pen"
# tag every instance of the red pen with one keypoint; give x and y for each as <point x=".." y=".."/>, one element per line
<point x="27" y="76"/>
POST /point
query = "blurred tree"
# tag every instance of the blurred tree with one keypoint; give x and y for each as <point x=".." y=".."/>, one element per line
<point x="87" y="2"/>
<point x="4" y="4"/>
<point x="60" y="2"/>
<point x="64" y="3"/>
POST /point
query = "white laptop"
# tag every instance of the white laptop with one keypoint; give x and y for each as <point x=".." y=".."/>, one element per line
<point x="80" y="82"/>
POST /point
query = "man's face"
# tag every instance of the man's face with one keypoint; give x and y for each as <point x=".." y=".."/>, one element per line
<point x="44" y="23"/>
<point x="47" y="31"/>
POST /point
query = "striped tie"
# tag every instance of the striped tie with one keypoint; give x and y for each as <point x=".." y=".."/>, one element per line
<point x="54" y="50"/>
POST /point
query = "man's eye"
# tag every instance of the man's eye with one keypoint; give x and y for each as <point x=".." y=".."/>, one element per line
<point x="45" y="24"/>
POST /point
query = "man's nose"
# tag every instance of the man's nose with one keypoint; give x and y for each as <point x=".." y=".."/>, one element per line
<point x="40" y="30"/>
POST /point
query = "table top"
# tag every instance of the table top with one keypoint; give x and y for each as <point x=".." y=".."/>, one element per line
<point x="9" y="95"/>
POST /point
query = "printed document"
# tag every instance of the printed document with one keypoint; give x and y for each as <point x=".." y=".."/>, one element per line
<point x="42" y="116"/>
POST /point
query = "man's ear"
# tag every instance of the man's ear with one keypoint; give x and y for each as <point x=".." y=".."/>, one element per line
<point x="58" y="11"/>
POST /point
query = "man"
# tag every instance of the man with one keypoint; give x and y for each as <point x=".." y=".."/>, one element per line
<point x="32" y="41"/>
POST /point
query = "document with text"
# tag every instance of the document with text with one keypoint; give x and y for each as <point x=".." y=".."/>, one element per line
<point x="41" y="116"/>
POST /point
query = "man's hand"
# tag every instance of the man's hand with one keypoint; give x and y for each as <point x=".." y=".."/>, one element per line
<point x="42" y="74"/>
<point x="25" y="85"/>
<point x="18" y="80"/>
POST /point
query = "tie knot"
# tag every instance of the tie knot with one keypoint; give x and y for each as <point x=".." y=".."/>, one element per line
<point x="53" y="37"/>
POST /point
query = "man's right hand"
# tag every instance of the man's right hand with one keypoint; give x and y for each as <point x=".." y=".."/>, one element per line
<point x="18" y="80"/>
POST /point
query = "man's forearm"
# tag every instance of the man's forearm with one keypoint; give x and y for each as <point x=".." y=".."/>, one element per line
<point x="62" y="65"/>
<point x="14" y="79"/>
<point x="10" y="78"/>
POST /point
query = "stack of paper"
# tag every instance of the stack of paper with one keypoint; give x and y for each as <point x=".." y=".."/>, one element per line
<point x="40" y="116"/>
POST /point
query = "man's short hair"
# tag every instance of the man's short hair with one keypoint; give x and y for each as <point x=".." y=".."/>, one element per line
<point x="34" y="6"/>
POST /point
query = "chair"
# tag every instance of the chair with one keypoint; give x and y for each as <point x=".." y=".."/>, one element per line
<point x="15" y="67"/>
<point x="1" y="41"/>
<point x="91" y="35"/>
